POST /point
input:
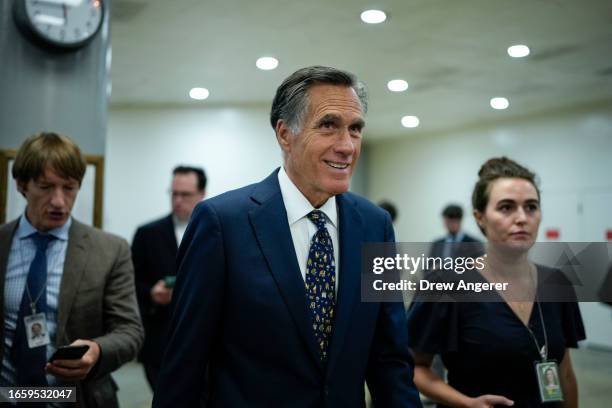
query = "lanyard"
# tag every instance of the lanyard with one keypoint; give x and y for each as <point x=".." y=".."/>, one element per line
<point x="543" y="351"/>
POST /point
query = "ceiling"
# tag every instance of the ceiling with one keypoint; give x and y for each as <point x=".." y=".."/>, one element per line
<point x="451" y="52"/>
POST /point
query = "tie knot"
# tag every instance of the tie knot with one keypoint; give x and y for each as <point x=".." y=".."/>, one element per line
<point x="318" y="218"/>
<point x="42" y="240"/>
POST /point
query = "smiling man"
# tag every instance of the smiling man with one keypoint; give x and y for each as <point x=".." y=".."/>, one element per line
<point x="267" y="299"/>
<point x="70" y="283"/>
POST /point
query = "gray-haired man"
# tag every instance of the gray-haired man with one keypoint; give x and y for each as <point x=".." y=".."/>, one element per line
<point x="268" y="289"/>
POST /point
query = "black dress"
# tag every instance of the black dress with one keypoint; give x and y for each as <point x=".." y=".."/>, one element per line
<point x="487" y="349"/>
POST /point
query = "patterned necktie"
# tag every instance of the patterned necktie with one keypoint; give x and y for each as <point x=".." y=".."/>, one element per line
<point x="321" y="283"/>
<point x="30" y="362"/>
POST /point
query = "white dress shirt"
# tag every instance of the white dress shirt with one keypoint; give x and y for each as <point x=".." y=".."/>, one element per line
<point x="179" y="229"/>
<point x="302" y="229"/>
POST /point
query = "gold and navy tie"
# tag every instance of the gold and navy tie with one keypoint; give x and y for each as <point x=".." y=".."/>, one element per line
<point x="321" y="283"/>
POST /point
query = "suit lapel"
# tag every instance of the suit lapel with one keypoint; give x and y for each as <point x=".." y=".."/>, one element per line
<point x="350" y="238"/>
<point x="169" y="237"/>
<point x="74" y="266"/>
<point x="6" y="237"/>
<point x="269" y="222"/>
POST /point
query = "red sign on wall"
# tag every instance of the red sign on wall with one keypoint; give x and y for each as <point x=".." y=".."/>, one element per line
<point x="553" y="233"/>
<point x="609" y="234"/>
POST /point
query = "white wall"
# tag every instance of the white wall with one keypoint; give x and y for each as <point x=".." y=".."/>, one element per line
<point x="234" y="146"/>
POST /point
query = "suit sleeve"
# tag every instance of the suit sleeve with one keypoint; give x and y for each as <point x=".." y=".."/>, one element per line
<point x="124" y="333"/>
<point x="196" y="309"/>
<point x="390" y="367"/>
<point x="143" y="286"/>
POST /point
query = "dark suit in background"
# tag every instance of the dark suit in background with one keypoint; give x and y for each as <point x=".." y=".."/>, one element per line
<point x="154" y="251"/>
<point x="455" y="249"/>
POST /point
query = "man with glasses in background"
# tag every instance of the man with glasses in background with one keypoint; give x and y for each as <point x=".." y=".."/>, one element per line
<point x="154" y="251"/>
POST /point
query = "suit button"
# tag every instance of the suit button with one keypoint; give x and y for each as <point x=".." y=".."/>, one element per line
<point x="326" y="391"/>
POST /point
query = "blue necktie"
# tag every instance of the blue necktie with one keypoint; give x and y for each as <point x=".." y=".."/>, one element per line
<point x="30" y="362"/>
<point x="321" y="283"/>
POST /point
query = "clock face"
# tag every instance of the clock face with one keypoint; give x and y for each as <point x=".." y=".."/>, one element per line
<point x="64" y="23"/>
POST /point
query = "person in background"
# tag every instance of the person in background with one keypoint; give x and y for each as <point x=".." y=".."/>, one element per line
<point x="491" y="348"/>
<point x="73" y="281"/>
<point x="267" y="298"/>
<point x="451" y="244"/>
<point x="390" y="208"/>
<point x="154" y="249"/>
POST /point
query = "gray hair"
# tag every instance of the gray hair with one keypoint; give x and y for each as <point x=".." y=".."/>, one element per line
<point x="291" y="100"/>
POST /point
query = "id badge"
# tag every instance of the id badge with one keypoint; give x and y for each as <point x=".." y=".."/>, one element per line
<point x="36" y="330"/>
<point x="548" y="381"/>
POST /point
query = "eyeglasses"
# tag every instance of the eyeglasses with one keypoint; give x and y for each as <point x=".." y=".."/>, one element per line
<point x="183" y="194"/>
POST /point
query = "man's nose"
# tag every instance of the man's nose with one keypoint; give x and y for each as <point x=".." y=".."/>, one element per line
<point x="345" y="143"/>
<point x="58" y="199"/>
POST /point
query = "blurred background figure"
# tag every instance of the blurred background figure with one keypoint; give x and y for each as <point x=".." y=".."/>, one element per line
<point x="490" y="348"/>
<point x="445" y="246"/>
<point x="390" y="208"/>
<point x="154" y="251"/>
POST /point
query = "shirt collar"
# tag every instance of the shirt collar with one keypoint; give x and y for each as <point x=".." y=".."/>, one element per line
<point x="298" y="206"/>
<point x="25" y="229"/>
<point x="457" y="238"/>
<point x="178" y="223"/>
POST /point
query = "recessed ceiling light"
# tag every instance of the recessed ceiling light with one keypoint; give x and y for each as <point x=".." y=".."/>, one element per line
<point x="266" y="63"/>
<point x="199" y="93"/>
<point x="373" y="16"/>
<point x="410" y="121"/>
<point x="518" y="51"/>
<point x="397" y="85"/>
<point x="499" y="103"/>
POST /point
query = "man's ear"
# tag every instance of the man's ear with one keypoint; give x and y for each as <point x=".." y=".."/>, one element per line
<point x="283" y="135"/>
<point x="22" y="188"/>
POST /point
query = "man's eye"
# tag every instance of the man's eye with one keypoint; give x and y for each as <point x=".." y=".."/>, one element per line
<point x="327" y="125"/>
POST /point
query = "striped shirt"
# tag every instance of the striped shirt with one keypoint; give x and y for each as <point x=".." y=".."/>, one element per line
<point x="20" y="257"/>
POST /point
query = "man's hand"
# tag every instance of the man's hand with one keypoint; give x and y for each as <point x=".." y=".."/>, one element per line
<point x="490" y="401"/>
<point x="160" y="293"/>
<point x="76" y="370"/>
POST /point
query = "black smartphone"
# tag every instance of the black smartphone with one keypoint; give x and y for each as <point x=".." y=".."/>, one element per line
<point x="69" y="352"/>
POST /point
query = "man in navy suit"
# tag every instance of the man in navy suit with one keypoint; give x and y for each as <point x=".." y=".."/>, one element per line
<point x="266" y="308"/>
<point x="154" y="251"/>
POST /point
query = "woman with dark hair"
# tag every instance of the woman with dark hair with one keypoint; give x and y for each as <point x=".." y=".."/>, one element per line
<point x="491" y="349"/>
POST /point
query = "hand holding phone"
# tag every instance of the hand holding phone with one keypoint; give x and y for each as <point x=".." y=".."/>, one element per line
<point x="69" y="353"/>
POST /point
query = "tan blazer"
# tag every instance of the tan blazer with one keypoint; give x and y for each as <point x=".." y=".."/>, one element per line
<point x="96" y="301"/>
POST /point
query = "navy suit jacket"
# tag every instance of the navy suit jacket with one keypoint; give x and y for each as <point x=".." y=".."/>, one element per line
<point x="239" y="312"/>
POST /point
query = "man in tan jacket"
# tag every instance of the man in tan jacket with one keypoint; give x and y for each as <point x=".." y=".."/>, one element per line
<point x="74" y="281"/>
